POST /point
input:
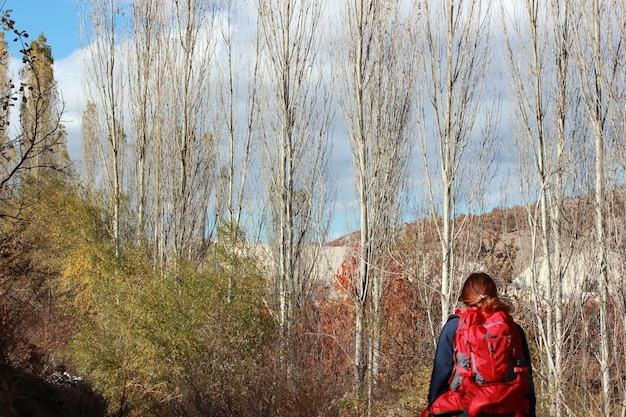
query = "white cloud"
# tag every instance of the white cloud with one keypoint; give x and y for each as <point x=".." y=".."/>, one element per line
<point x="69" y="75"/>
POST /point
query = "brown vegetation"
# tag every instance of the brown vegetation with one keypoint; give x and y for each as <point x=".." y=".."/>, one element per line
<point x="184" y="346"/>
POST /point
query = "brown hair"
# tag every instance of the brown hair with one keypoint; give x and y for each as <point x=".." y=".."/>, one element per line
<point x="479" y="290"/>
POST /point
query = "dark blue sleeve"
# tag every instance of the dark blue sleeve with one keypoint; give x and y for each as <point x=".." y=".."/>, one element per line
<point x="529" y="376"/>
<point x="444" y="361"/>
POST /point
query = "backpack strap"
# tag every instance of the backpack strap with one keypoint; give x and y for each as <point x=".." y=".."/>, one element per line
<point x="520" y="367"/>
<point x="468" y="317"/>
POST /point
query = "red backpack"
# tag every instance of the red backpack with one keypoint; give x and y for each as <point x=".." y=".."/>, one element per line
<point x="489" y="368"/>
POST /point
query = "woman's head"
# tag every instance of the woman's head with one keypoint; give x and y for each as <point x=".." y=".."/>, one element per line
<point x="479" y="290"/>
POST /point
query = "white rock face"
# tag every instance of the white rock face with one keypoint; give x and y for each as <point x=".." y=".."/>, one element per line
<point x="579" y="277"/>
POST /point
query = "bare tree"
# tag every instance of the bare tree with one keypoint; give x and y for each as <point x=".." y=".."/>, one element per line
<point x="91" y="127"/>
<point x="545" y="96"/>
<point x="236" y="71"/>
<point x="161" y="148"/>
<point x="100" y="34"/>
<point x="293" y="126"/>
<point x="615" y="230"/>
<point x="376" y="87"/>
<point x="144" y="74"/>
<point x="453" y="78"/>
<point x="188" y="65"/>
<point x="600" y="54"/>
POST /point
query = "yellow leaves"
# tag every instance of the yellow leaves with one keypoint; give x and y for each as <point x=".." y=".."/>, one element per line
<point x="80" y="276"/>
<point x="78" y="266"/>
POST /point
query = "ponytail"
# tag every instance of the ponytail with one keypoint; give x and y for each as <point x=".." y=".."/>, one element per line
<point x="479" y="290"/>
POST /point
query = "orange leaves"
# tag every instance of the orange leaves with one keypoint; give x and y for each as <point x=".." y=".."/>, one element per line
<point x="347" y="275"/>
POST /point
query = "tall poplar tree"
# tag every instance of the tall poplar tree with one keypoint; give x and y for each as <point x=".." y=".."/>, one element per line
<point x="545" y="95"/>
<point x="101" y="35"/>
<point x="293" y="127"/>
<point x="187" y="142"/>
<point x="40" y="143"/>
<point x="237" y="70"/>
<point x="599" y="40"/>
<point x="376" y="91"/>
<point x="148" y="73"/>
<point x="43" y="135"/>
<point x="455" y="37"/>
<point x="91" y="128"/>
<point x="7" y="145"/>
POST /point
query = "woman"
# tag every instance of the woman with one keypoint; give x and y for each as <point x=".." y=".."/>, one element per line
<point x="454" y="383"/>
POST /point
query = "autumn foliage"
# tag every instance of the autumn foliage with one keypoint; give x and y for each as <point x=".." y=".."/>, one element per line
<point x="199" y="342"/>
<point x="105" y="335"/>
<point x="406" y="342"/>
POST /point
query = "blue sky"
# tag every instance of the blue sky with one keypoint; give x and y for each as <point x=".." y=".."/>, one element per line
<point x="57" y="19"/>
